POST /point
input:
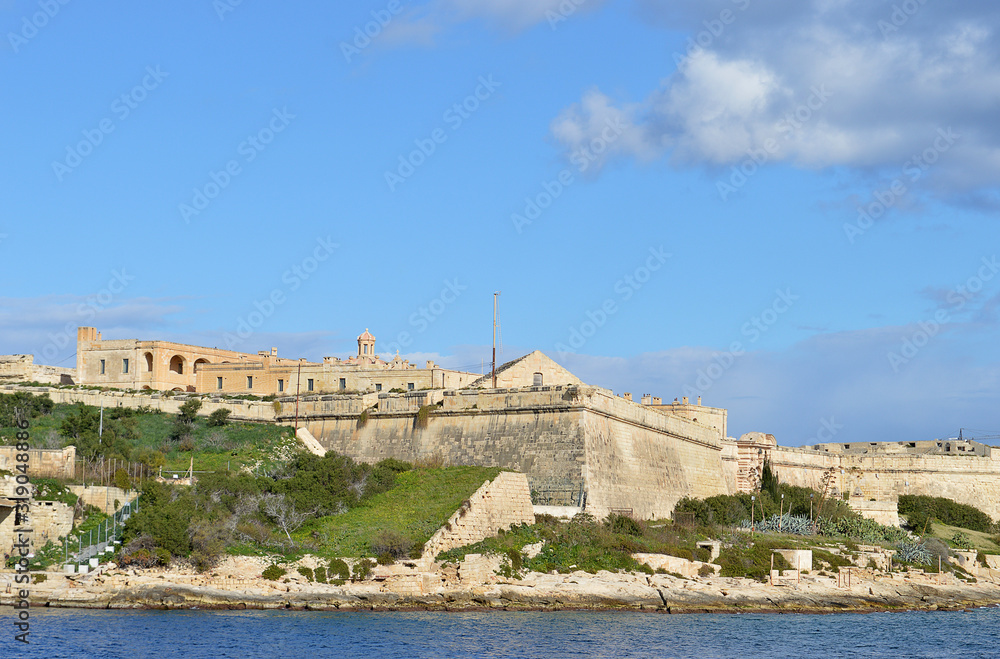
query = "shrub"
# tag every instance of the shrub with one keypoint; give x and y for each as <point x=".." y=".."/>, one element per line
<point x="753" y="562"/>
<point x="961" y="541"/>
<point x="362" y="569"/>
<point x="623" y="524"/>
<point x="320" y="574"/>
<point x="219" y="417"/>
<point x="392" y="544"/>
<point x="423" y="416"/>
<point x="385" y="559"/>
<point x="362" y="419"/>
<point x="307" y="573"/>
<point x="339" y="571"/>
<point x="920" y="510"/>
<point x="273" y="572"/>
<point x="122" y="479"/>
<point x="39" y="578"/>
<point x="912" y="552"/>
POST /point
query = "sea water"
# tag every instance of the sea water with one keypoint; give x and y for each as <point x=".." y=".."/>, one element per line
<point x="192" y="633"/>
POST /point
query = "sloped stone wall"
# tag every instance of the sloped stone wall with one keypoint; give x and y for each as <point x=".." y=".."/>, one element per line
<point x="497" y="504"/>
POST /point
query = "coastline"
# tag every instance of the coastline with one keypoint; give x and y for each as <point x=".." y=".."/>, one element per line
<point x="604" y="591"/>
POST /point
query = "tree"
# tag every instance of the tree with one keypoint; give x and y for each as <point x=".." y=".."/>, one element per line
<point x="282" y="511"/>
<point x="769" y="480"/>
<point x="219" y="417"/>
<point x="185" y="419"/>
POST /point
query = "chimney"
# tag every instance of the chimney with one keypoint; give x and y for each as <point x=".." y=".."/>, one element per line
<point x="684" y="400"/>
<point x="627" y="395"/>
<point x="646" y="399"/>
<point x="657" y="400"/>
<point x="274" y="351"/>
<point x="699" y="400"/>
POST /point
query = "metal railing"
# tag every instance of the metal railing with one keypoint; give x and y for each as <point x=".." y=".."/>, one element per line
<point x="95" y="541"/>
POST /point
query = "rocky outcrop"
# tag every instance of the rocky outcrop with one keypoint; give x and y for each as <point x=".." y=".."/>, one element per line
<point x="401" y="587"/>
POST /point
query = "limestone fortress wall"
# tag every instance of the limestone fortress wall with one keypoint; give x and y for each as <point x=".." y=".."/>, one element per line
<point x="581" y="443"/>
<point x="868" y="478"/>
<point x="574" y="442"/>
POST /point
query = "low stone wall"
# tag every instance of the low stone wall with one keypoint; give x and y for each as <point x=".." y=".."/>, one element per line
<point x="799" y="559"/>
<point x="498" y="504"/>
<point x="675" y="564"/>
<point x="239" y="410"/>
<point x="883" y="512"/>
<point x="42" y="463"/>
<point x="103" y="497"/>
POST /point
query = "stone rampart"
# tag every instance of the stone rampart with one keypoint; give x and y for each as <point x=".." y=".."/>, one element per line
<point x="571" y="441"/>
<point x="497" y="504"/>
<point x="877" y="477"/>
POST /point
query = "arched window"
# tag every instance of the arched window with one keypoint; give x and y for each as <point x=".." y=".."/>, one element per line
<point x="177" y="364"/>
<point x="536" y="380"/>
<point x="200" y="361"/>
<point x="149" y="362"/>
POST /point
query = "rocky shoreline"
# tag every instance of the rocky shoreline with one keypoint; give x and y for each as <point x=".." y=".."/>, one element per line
<point x="604" y="591"/>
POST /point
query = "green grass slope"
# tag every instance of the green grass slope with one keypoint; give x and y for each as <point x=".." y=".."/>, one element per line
<point x="419" y="504"/>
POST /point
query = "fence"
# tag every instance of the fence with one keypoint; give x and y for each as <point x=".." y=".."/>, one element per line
<point x="98" y="540"/>
<point x="103" y="471"/>
<point x="568" y="495"/>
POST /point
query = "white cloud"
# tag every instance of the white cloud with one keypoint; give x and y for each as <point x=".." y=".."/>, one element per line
<point x="821" y="80"/>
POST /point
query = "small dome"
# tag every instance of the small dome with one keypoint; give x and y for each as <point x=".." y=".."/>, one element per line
<point x="367" y="336"/>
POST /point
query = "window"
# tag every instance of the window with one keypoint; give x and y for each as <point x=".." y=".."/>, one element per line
<point x="218" y="383"/>
<point x="249" y="382"/>
<point x="124" y="366"/>
<point x="378" y="387"/>
<point x="309" y="384"/>
<point x="102" y="367"/>
<point x="343" y="383"/>
<point x="281" y="385"/>
<point x="409" y="385"/>
<point x="536" y="380"/>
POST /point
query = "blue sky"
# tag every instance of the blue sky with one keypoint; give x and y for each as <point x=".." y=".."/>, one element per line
<point x="789" y="208"/>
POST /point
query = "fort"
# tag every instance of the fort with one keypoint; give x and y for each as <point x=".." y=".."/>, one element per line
<point x="580" y="446"/>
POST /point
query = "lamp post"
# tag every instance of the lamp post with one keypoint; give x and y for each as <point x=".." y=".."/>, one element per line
<point x="752" y="506"/>
<point x="781" y="512"/>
